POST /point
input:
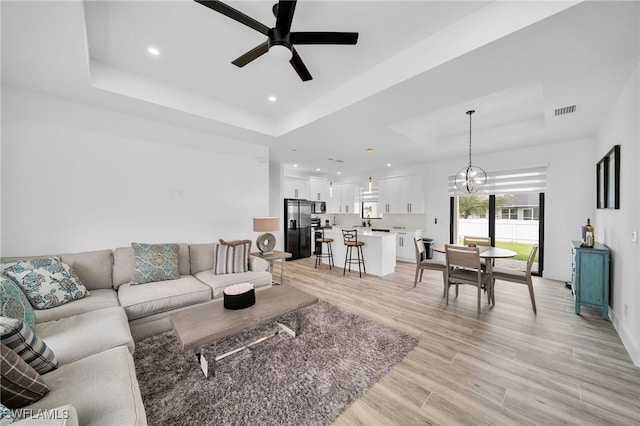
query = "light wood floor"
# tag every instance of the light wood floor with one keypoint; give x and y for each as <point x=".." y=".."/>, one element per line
<point x="507" y="366"/>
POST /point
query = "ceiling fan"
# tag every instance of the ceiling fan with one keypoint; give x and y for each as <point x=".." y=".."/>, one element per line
<point x="280" y="40"/>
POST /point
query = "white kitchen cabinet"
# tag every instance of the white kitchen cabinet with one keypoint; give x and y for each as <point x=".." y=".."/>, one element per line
<point x="405" y="247"/>
<point x="343" y="199"/>
<point x="295" y="187"/>
<point x="318" y="189"/>
<point x="401" y="195"/>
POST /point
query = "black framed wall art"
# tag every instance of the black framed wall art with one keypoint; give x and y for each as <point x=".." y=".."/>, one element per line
<point x="608" y="180"/>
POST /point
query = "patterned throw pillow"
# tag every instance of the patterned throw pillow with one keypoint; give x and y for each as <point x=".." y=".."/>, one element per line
<point x="19" y="337"/>
<point x="154" y="262"/>
<point x="48" y="286"/>
<point x="231" y="257"/>
<point x="30" y="263"/>
<point x="20" y="384"/>
<point x="13" y="302"/>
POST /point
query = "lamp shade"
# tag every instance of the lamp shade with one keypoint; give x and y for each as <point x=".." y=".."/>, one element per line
<point x="266" y="224"/>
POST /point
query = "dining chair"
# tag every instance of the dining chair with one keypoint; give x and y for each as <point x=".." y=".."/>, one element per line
<point x="463" y="267"/>
<point x="478" y="241"/>
<point x="517" y="276"/>
<point x="423" y="263"/>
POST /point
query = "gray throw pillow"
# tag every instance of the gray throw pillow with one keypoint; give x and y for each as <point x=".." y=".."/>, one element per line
<point x="154" y="262"/>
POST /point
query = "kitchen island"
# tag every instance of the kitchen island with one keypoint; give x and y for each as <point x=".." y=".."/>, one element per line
<point x="379" y="250"/>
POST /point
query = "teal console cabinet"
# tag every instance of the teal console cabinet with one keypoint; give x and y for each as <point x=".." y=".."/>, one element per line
<point x="590" y="280"/>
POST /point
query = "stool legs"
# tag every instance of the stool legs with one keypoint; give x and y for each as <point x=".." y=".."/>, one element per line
<point x="328" y="255"/>
<point x="348" y="259"/>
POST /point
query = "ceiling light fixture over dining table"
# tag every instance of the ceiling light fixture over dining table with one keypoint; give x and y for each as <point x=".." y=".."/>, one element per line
<point x="472" y="178"/>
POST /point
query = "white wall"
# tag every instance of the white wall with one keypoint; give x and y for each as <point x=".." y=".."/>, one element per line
<point x="614" y="227"/>
<point x="78" y="178"/>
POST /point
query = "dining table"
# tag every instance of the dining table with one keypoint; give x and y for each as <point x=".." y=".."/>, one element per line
<point x="489" y="253"/>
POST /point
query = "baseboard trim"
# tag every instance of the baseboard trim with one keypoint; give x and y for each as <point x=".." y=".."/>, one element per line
<point x="627" y="341"/>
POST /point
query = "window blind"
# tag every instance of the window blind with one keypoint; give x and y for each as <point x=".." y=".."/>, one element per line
<point x="533" y="179"/>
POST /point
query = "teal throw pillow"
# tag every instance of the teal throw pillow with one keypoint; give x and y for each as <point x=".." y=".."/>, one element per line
<point x="14" y="304"/>
<point x="154" y="262"/>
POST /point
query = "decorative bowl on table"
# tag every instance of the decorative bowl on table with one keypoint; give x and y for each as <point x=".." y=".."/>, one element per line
<point x="239" y="296"/>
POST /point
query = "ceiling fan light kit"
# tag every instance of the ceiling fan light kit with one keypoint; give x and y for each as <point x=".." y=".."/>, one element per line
<point x="280" y="40"/>
<point x="471" y="178"/>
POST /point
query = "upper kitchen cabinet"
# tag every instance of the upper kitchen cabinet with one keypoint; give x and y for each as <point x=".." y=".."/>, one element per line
<point x="295" y="187"/>
<point x="318" y="189"/>
<point x="401" y="195"/>
<point x="343" y="199"/>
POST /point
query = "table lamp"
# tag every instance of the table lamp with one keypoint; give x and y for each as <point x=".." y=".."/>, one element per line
<point x="266" y="241"/>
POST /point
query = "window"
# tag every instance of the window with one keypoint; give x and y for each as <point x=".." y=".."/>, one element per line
<point x="530" y="214"/>
<point x="510" y="213"/>
<point x="370" y="210"/>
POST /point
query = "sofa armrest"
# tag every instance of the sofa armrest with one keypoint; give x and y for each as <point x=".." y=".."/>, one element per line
<point x="258" y="264"/>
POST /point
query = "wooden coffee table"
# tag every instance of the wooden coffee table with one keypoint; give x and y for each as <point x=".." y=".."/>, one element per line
<point x="208" y="322"/>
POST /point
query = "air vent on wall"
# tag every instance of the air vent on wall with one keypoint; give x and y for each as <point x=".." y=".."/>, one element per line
<point x="566" y="110"/>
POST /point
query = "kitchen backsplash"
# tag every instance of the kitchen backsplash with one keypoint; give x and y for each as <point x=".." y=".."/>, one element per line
<point x="409" y="221"/>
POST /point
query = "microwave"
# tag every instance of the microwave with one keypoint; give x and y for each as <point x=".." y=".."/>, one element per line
<point x="318" y="207"/>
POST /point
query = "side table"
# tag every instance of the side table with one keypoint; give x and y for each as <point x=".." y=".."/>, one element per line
<point x="270" y="257"/>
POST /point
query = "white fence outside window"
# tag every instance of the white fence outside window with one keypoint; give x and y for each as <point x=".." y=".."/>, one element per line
<point x="517" y="231"/>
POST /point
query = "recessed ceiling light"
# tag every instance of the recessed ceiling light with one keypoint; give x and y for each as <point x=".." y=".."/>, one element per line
<point x="153" y="51"/>
<point x="295" y="165"/>
<point x="339" y="173"/>
<point x="318" y="169"/>
<point x="388" y="164"/>
<point x="272" y="98"/>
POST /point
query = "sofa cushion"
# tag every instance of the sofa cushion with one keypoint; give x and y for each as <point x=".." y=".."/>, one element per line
<point x="48" y="286"/>
<point x="154" y="262"/>
<point x="97" y="299"/>
<point x="19" y="337"/>
<point x="231" y="258"/>
<point x="123" y="264"/>
<point x="13" y="302"/>
<point x="20" y="384"/>
<point x="102" y="388"/>
<point x="87" y="334"/>
<point x="146" y="299"/>
<point x="219" y="282"/>
<point x="94" y="268"/>
<point x="201" y="256"/>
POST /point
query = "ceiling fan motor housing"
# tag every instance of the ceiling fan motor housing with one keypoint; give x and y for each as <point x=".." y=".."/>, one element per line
<point x="277" y="37"/>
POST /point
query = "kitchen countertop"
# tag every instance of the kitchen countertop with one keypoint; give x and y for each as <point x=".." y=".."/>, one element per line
<point x="366" y="233"/>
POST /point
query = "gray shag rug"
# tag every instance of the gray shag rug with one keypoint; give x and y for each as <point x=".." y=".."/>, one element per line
<point x="307" y="380"/>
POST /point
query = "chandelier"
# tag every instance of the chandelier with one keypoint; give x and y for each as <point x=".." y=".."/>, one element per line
<point x="471" y="178"/>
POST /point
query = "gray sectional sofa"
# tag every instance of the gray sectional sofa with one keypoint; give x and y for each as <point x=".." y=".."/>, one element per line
<point x="93" y="337"/>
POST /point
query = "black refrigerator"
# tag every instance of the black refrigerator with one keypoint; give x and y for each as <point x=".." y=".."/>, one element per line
<point x="297" y="225"/>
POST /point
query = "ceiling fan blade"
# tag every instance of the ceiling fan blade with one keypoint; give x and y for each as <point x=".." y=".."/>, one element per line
<point x="299" y="66"/>
<point x="254" y="53"/>
<point x="284" y="17"/>
<point x="232" y="13"/>
<point x="323" y="38"/>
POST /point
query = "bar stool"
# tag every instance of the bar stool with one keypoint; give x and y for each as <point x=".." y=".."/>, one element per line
<point x="320" y="252"/>
<point x="350" y="241"/>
